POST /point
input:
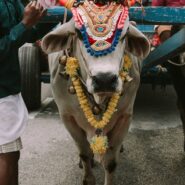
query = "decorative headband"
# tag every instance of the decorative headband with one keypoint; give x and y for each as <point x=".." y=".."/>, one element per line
<point x="100" y="25"/>
<point x="70" y="3"/>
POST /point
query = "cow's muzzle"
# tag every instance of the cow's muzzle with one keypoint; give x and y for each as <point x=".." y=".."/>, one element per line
<point x="105" y="82"/>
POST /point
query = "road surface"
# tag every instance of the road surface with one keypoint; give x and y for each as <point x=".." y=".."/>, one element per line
<point x="153" y="147"/>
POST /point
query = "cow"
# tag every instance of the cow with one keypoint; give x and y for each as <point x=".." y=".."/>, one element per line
<point x="100" y="78"/>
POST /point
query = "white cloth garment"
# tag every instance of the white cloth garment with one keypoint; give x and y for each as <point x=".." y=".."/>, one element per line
<point x="13" y="118"/>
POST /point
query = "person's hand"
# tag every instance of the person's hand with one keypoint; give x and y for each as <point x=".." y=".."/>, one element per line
<point x="33" y="12"/>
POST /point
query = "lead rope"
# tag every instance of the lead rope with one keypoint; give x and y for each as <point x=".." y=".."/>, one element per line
<point x="64" y="21"/>
<point x="67" y="53"/>
<point x="85" y="64"/>
<point x="175" y="64"/>
<point x="124" y="53"/>
<point x="65" y="16"/>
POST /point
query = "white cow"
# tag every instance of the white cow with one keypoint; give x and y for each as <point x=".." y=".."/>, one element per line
<point x="100" y="76"/>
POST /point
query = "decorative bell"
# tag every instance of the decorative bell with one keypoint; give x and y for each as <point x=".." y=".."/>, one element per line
<point x="98" y="131"/>
<point x="63" y="60"/>
<point x="128" y="78"/>
<point x="64" y="75"/>
<point x="122" y="92"/>
<point x="96" y="110"/>
<point x="71" y="90"/>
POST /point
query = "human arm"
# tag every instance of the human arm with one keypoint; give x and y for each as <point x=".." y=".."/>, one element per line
<point x="15" y="37"/>
<point x="40" y="29"/>
<point x="13" y="40"/>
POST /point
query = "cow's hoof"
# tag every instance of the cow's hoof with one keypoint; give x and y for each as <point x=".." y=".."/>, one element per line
<point x="80" y="164"/>
<point x="121" y="149"/>
<point x="92" y="163"/>
<point x="89" y="180"/>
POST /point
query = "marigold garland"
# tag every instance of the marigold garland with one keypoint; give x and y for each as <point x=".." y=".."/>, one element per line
<point x="72" y="66"/>
<point x="124" y="74"/>
<point x="127" y="63"/>
<point x="99" y="144"/>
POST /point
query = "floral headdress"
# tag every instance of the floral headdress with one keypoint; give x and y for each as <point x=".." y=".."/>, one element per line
<point x="70" y="3"/>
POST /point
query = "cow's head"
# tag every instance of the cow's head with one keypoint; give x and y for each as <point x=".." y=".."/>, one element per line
<point x="101" y="74"/>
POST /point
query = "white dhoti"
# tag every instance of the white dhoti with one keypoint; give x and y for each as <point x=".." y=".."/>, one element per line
<point x="13" y="120"/>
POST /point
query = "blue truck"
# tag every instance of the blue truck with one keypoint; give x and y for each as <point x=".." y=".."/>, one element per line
<point x="34" y="66"/>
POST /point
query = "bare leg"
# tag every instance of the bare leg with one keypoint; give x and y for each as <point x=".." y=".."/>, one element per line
<point x="9" y="168"/>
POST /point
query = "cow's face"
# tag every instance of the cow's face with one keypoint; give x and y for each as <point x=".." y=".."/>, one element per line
<point x="101" y="74"/>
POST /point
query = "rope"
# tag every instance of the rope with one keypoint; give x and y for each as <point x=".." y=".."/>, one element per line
<point x="64" y="21"/>
<point x="175" y="64"/>
<point x="65" y="16"/>
<point x="84" y="63"/>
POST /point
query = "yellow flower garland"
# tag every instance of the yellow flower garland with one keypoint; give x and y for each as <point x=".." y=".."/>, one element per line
<point x="99" y="144"/>
<point x="127" y="63"/>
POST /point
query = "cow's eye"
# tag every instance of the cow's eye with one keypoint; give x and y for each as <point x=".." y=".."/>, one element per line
<point x="79" y="34"/>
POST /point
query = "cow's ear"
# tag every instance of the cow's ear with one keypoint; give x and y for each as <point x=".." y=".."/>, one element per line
<point x="59" y="39"/>
<point x="137" y="43"/>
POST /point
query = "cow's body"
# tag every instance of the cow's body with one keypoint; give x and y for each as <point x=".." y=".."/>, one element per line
<point x="132" y="42"/>
<point x="77" y="124"/>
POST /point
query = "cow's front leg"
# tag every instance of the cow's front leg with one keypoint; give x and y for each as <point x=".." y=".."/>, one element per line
<point x="110" y="163"/>
<point x="86" y="154"/>
<point x="89" y="178"/>
<point x="115" y="138"/>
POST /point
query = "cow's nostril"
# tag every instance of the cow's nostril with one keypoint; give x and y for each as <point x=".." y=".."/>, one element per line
<point x="95" y="79"/>
<point x="105" y="78"/>
<point x="105" y="82"/>
<point x="113" y="79"/>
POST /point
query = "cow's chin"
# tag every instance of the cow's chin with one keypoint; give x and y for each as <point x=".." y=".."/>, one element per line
<point x="100" y="97"/>
<point x="102" y="94"/>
